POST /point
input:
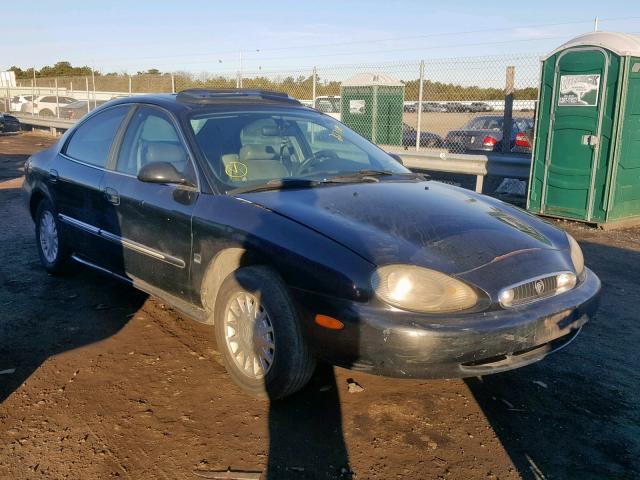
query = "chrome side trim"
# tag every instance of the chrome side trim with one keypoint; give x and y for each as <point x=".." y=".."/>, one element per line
<point x="77" y="223"/>
<point x="130" y="244"/>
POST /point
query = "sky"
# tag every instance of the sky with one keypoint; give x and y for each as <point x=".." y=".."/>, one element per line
<point x="194" y="36"/>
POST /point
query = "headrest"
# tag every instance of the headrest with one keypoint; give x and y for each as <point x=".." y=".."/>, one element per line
<point x="257" y="152"/>
<point x="164" y="152"/>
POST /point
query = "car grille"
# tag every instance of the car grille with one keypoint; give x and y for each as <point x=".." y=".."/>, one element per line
<point x="535" y="289"/>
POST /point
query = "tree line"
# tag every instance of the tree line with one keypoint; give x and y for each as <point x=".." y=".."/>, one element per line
<point x="154" y="80"/>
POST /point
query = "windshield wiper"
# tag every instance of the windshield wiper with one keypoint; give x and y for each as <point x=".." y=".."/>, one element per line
<point x="365" y="175"/>
<point x="368" y="175"/>
<point x="276" y="184"/>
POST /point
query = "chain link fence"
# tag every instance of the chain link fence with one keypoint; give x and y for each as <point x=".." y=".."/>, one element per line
<point x="458" y="105"/>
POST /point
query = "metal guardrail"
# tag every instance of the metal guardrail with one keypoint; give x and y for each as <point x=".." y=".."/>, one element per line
<point x="511" y="166"/>
<point x="54" y="124"/>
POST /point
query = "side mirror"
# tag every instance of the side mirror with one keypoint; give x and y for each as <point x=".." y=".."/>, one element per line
<point x="160" y="172"/>
<point x="396" y="157"/>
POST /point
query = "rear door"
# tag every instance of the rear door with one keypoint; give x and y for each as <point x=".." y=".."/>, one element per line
<point x="575" y="133"/>
<point x="151" y="222"/>
<point x="75" y="180"/>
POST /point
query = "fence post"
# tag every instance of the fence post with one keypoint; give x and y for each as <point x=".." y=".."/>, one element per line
<point x="129" y="85"/>
<point x="57" y="99"/>
<point x="86" y="81"/>
<point x="508" y="110"/>
<point x="173" y="83"/>
<point x="313" y="93"/>
<point x="33" y="93"/>
<point x="93" y="85"/>
<point x="419" y="126"/>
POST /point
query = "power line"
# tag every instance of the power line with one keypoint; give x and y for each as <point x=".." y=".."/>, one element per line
<point x="222" y="54"/>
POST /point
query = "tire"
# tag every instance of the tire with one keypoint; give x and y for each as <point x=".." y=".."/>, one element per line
<point x="291" y="364"/>
<point x="55" y="259"/>
<point x="46" y="113"/>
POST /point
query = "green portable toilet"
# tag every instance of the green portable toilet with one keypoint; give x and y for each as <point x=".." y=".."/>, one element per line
<point x="372" y="105"/>
<point x="586" y="160"/>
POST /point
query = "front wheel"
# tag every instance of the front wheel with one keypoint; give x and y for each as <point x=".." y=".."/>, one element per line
<point x="52" y="249"/>
<point x="259" y="334"/>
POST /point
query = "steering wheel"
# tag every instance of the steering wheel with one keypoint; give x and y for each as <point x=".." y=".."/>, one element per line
<point x="317" y="158"/>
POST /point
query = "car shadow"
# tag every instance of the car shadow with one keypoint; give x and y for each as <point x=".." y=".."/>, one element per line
<point x="306" y="438"/>
<point x="575" y="415"/>
<point x="43" y="315"/>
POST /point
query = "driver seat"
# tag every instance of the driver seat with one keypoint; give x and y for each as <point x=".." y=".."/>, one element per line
<point x="259" y="161"/>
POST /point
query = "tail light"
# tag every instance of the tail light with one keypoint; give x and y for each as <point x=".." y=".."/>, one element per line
<point x="522" y="140"/>
<point x="489" y="142"/>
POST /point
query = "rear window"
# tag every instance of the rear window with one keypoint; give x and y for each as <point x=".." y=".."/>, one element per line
<point x="485" y="123"/>
<point x="92" y="140"/>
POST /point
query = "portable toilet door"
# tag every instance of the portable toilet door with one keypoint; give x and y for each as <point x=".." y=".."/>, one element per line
<point x="574" y="130"/>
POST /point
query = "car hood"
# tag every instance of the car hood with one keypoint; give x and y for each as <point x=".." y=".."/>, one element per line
<point x="416" y="222"/>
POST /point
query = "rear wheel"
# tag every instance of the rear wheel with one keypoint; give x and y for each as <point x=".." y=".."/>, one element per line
<point x="259" y="334"/>
<point x="46" y="113"/>
<point x="54" y="253"/>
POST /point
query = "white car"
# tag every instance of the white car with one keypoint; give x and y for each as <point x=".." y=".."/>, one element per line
<point x="16" y="102"/>
<point x="46" y="105"/>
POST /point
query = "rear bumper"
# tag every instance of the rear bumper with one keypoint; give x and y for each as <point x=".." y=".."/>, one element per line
<point x="396" y="343"/>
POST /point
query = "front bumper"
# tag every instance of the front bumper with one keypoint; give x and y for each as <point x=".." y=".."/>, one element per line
<point x="397" y="343"/>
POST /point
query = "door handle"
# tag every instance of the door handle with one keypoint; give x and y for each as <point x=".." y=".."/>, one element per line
<point x="53" y="176"/>
<point x="112" y="195"/>
<point x="590" y="140"/>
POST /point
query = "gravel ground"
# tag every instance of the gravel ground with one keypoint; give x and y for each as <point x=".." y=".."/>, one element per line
<point x="98" y="380"/>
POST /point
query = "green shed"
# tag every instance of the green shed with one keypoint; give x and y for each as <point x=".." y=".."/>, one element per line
<point x="372" y="105"/>
<point x="586" y="160"/>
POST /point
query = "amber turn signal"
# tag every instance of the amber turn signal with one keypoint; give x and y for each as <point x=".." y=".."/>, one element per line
<point x="329" y="322"/>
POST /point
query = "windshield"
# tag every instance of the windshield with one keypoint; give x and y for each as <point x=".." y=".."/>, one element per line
<point x="252" y="148"/>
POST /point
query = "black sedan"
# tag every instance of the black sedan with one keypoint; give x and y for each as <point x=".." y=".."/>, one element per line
<point x="9" y="123"/>
<point x="427" y="139"/>
<point x="299" y="240"/>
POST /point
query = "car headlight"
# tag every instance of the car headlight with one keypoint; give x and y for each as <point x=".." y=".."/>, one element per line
<point x="576" y="255"/>
<point x="421" y="290"/>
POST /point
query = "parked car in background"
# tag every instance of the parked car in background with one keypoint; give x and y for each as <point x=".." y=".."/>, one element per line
<point x="295" y="250"/>
<point x="79" y="108"/>
<point x="427" y="139"/>
<point x="46" y="105"/>
<point x="478" y="107"/>
<point x="410" y="107"/>
<point x="455" y="107"/>
<point x="433" y="107"/>
<point x="18" y="101"/>
<point x="8" y="123"/>
<point x="484" y="133"/>
<point x="329" y="104"/>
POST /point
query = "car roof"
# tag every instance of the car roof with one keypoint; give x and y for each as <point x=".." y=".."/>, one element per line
<point x="215" y="100"/>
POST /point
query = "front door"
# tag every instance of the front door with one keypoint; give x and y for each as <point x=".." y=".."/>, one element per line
<point x="151" y="221"/>
<point x="575" y="137"/>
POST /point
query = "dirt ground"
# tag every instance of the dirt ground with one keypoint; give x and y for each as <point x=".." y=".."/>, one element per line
<point x="98" y="380"/>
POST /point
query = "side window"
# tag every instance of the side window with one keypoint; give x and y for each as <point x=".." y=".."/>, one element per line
<point x="92" y="141"/>
<point x="152" y="137"/>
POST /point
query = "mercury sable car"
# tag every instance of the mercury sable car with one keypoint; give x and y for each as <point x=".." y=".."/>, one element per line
<point x="298" y="240"/>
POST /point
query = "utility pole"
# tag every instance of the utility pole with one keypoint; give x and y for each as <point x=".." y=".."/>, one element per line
<point x="239" y="79"/>
<point x="595" y="24"/>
